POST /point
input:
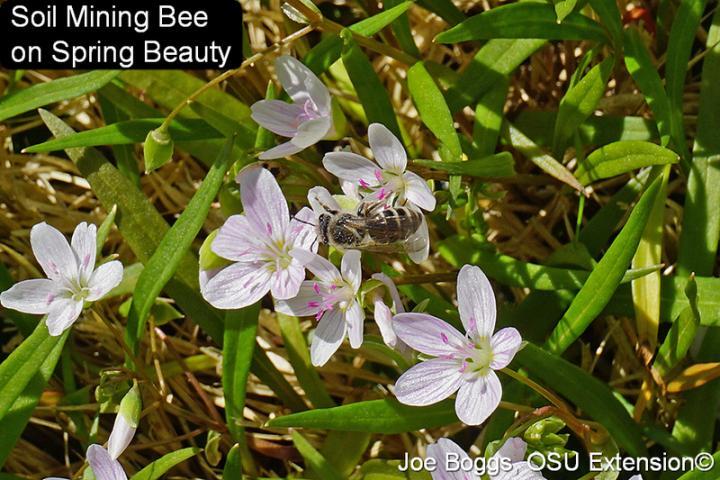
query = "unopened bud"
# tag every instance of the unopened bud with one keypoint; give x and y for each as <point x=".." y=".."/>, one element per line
<point x="126" y="422"/>
<point x="158" y="148"/>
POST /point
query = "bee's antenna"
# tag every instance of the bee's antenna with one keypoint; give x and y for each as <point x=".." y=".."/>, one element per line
<point x="303" y="221"/>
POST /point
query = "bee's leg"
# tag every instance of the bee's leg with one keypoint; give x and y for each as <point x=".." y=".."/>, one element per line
<point x="326" y="208"/>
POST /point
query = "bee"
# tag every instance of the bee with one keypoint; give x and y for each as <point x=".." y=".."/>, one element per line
<point x="377" y="228"/>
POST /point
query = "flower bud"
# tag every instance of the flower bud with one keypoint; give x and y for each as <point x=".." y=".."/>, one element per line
<point x="158" y="148"/>
<point x="126" y="422"/>
<point x="209" y="260"/>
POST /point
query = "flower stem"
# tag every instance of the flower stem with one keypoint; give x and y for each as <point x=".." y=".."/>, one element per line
<point x="551" y="397"/>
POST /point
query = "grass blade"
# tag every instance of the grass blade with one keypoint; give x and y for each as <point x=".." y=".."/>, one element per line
<point x="605" y="278"/>
<point x="314" y="461"/>
<point x="42" y="94"/>
<point x="681" y="335"/>
<point x="159" y="467"/>
<point x="622" y="157"/>
<point x="499" y="165"/>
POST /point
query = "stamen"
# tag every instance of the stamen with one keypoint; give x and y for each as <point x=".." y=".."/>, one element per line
<point x="313" y="304"/>
<point x="316" y="288"/>
<point x="364" y="184"/>
<point x="268" y="227"/>
<point x="378" y="175"/>
<point x="444" y="338"/>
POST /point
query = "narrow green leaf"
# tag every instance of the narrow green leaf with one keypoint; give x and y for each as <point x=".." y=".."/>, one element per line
<point x="402" y="31"/>
<point x="124" y="154"/>
<point x="489" y="119"/>
<point x="499" y="165"/>
<point x="493" y="63"/>
<point x="588" y="393"/>
<point x="328" y="51"/>
<point x="708" y="474"/>
<point x="563" y="8"/>
<point x="445" y="9"/>
<point x="344" y="450"/>
<point x="165" y="260"/>
<point x="233" y="464"/>
<point x="129" y="132"/>
<point x="610" y="17"/>
<point x="53" y="91"/>
<point x="681" y="335"/>
<point x="370" y="90"/>
<point x="314" y="461"/>
<point x="646" y="76"/>
<point x="159" y="467"/>
<point x="299" y="357"/>
<point x="238" y="347"/>
<point x="524" y="20"/>
<point x="579" y="103"/>
<point x="273" y="378"/>
<point x="436" y="116"/>
<point x="622" y="157"/>
<point x="605" y="278"/>
<point x="386" y="416"/>
<point x="535" y="154"/>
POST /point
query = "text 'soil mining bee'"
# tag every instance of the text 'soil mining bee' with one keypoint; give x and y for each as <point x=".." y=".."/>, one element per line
<point x="375" y="227"/>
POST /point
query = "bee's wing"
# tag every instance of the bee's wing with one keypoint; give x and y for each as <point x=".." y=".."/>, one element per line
<point x="417" y="245"/>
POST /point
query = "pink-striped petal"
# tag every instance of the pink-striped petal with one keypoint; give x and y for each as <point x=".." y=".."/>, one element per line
<point x="513" y="449"/>
<point x="355" y="318"/>
<point x="306" y="303"/>
<point x="281" y="151"/>
<point x="428" y="382"/>
<point x="264" y="203"/>
<point x="238" y="240"/>
<point x="30" y="296"/>
<point x="84" y="243"/>
<point x="303" y="230"/>
<point x="277" y="116"/>
<point x="418" y="192"/>
<point x="478" y="398"/>
<point x="285" y="282"/>
<point x="328" y="337"/>
<point x="351" y="269"/>
<point x="353" y="168"/>
<point x="311" y="132"/>
<point x="320" y="267"/>
<point x="103" y="465"/>
<point x="321" y="201"/>
<point x="428" y="334"/>
<point x="387" y="149"/>
<point x="237" y="286"/>
<point x="62" y="314"/>
<point x="417" y="245"/>
<point x="441" y="451"/>
<point x="505" y="344"/>
<point x="476" y="301"/>
<point x="53" y="252"/>
<point x="301" y="83"/>
<point x="106" y="277"/>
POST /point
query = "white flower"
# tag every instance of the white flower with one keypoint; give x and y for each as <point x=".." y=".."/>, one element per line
<point x="384" y="314"/>
<point x="126" y="422"/>
<point x="463" y="363"/>
<point x="307" y="120"/>
<point x="72" y="277"/>
<point x="332" y="299"/>
<point x="104" y="467"/>
<point x="508" y="464"/>
<point x="259" y="243"/>
<point x="386" y="179"/>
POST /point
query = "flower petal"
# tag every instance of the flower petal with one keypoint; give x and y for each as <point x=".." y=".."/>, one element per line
<point x="264" y="203"/>
<point x="383" y="318"/>
<point x="440" y="451"/>
<point x="428" y="334"/>
<point x="311" y="132"/>
<point x="513" y="449"/>
<point x="505" y="344"/>
<point x="277" y="116"/>
<point x="417" y="245"/>
<point x="237" y="286"/>
<point x="353" y="168"/>
<point x="355" y="318"/>
<point x="524" y="471"/>
<point x="387" y="149"/>
<point x="301" y="83"/>
<point x="328" y="337"/>
<point x="418" y="192"/>
<point x="321" y="268"/>
<point x="30" y="296"/>
<point x="121" y="435"/>
<point x="428" y="382"/>
<point x="238" y="240"/>
<point x="392" y="290"/>
<point x="285" y="282"/>
<point x="321" y="201"/>
<point x="102" y="464"/>
<point x="84" y="242"/>
<point x="62" y="314"/>
<point x="478" y="399"/>
<point x="304" y="304"/>
<point x="281" y="151"/>
<point x="53" y="252"/>
<point x="476" y="301"/>
<point x="303" y="230"/>
<point x="351" y="269"/>
<point x="106" y="277"/>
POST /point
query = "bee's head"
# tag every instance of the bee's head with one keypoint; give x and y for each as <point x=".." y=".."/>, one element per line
<point x="323" y="227"/>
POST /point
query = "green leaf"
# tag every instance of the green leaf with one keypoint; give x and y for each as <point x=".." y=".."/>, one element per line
<point x="493" y="63"/>
<point x="489" y="119"/>
<point x="622" y="157"/>
<point x="445" y="9"/>
<point x="536" y="155"/>
<point x="524" y="20"/>
<point x="401" y="29"/>
<point x="605" y="277"/>
<point x="377" y="469"/>
<point x="166" y="259"/>
<point x="646" y="76"/>
<point x="124" y="154"/>
<point x="579" y="103"/>
<point x="710" y="474"/>
<point x="499" y="165"/>
<point x="299" y="357"/>
<point x="435" y="114"/>
<point x="233" y="464"/>
<point x="140" y="224"/>
<point x="53" y="91"/>
<point x="238" y="347"/>
<point x="370" y="90"/>
<point x="563" y="8"/>
<point x="386" y="416"/>
<point x="458" y="251"/>
<point x="344" y="450"/>
<point x="22" y="365"/>
<point x="21" y="409"/>
<point x="588" y="393"/>
<point x="160" y="466"/>
<point x="264" y="369"/>
<point x="314" y="461"/>
<point x="681" y="335"/>
<point x="329" y="49"/>
<point x="609" y="14"/>
<point x="129" y="132"/>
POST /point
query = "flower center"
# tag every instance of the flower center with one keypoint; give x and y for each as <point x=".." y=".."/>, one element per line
<point x="310" y="112"/>
<point x="329" y="296"/>
<point x="476" y="358"/>
<point x="80" y="294"/>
